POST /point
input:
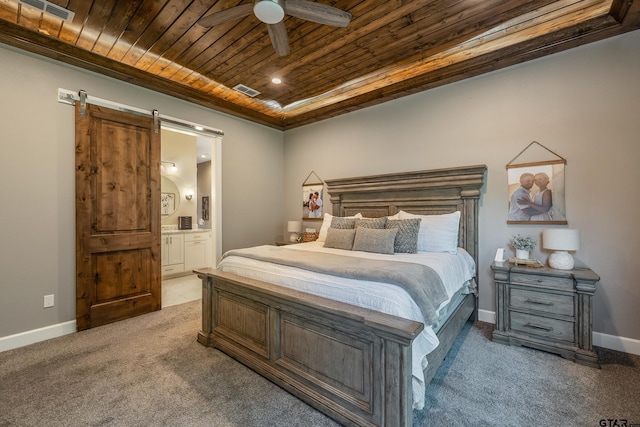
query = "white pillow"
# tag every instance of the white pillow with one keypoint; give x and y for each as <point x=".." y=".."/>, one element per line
<point x="438" y="233"/>
<point x="326" y="224"/>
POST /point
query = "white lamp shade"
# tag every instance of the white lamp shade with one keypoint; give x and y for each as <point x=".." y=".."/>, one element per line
<point x="269" y="11"/>
<point x="561" y="239"/>
<point x="294" y="226"/>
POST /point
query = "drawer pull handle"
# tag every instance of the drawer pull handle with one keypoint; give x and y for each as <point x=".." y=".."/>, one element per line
<point x="535" y="301"/>
<point x="529" y="325"/>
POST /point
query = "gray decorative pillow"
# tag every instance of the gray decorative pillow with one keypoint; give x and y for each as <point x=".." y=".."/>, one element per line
<point x="375" y="240"/>
<point x="371" y="222"/>
<point x="343" y="222"/>
<point x="407" y="237"/>
<point x="340" y="238"/>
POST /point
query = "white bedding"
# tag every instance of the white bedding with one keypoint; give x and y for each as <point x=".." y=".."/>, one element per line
<point x="455" y="270"/>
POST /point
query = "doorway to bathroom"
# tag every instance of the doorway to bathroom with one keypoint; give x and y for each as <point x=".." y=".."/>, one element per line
<point x="190" y="215"/>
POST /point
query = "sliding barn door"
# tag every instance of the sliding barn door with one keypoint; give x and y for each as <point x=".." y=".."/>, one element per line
<point x="117" y="216"/>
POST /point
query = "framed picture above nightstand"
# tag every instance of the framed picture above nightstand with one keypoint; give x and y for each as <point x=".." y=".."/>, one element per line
<point x="546" y="309"/>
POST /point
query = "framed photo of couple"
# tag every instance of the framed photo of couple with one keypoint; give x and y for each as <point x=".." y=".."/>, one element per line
<point x="536" y="193"/>
<point x="312" y="203"/>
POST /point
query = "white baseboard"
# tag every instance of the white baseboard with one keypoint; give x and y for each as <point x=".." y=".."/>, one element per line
<point x="30" y="337"/>
<point x="612" y="342"/>
<point x="626" y="345"/>
<point x="487" y="316"/>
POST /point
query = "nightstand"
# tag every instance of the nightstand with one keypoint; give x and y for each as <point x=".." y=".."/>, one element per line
<point x="546" y="309"/>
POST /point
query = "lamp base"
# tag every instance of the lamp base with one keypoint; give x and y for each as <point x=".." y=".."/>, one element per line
<point x="561" y="260"/>
<point x="293" y="237"/>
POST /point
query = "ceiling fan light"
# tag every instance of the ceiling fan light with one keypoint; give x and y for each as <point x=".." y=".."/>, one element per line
<point x="269" y="11"/>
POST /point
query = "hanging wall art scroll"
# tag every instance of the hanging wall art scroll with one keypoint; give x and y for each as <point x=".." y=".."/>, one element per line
<point x="312" y="202"/>
<point x="536" y="190"/>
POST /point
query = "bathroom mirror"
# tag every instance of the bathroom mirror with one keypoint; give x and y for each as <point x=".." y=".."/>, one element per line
<point x="170" y="197"/>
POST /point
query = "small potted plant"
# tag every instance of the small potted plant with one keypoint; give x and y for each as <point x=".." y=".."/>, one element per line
<point x="523" y="245"/>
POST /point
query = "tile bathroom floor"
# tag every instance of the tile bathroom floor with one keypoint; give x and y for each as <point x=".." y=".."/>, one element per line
<point x="180" y="290"/>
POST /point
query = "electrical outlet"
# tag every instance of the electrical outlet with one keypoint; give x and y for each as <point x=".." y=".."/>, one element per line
<point x="48" y="301"/>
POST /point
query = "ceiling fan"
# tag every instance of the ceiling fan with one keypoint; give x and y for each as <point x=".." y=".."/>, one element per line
<point x="272" y="13"/>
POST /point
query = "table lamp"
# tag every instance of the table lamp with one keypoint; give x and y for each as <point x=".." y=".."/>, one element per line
<point x="561" y="240"/>
<point x="294" y="227"/>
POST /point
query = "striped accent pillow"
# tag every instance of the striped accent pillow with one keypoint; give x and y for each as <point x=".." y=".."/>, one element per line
<point x="343" y="222"/>
<point x="407" y="237"/>
<point x="371" y="222"/>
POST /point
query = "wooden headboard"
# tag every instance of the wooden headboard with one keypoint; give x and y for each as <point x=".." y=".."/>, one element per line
<point x="430" y="192"/>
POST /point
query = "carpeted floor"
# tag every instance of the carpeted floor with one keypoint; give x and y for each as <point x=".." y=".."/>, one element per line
<point x="483" y="383"/>
<point x="150" y="371"/>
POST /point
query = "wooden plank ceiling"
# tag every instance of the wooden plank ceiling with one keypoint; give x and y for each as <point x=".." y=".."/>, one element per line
<point x="389" y="49"/>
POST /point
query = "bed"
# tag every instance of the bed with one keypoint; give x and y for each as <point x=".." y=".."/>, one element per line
<point x="355" y="363"/>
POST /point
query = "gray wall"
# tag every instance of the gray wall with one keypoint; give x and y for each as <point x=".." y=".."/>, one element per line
<point x="583" y="104"/>
<point x="37" y="226"/>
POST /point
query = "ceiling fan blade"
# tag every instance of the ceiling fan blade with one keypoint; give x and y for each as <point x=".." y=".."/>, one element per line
<point x="227" y="15"/>
<point x="317" y="12"/>
<point x="279" y="38"/>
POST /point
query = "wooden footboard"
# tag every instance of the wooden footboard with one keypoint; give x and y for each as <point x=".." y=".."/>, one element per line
<point x="350" y="363"/>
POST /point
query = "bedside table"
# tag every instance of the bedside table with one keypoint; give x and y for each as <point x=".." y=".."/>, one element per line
<point x="546" y="309"/>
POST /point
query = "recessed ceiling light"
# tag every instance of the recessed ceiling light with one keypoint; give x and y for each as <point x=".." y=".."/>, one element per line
<point x="276" y="81"/>
<point x="199" y="128"/>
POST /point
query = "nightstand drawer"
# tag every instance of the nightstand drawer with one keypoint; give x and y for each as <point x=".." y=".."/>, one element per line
<point x="541" y="301"/>
<point x="542" y="327"/>
<point x="565" y="283"/>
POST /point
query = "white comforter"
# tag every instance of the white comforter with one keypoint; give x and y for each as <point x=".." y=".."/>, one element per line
<point x="454" y="270"/>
